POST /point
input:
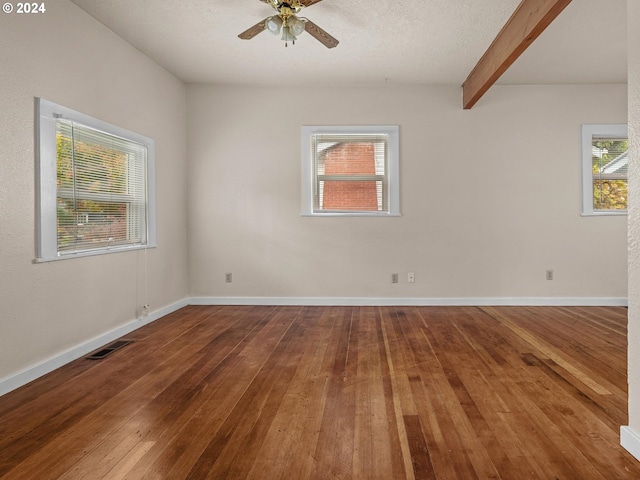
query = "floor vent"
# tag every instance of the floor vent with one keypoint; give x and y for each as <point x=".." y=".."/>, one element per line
<point x="117" y="345"/>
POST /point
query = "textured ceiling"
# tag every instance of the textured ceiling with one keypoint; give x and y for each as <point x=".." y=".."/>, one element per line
<point x="399" y="42"/>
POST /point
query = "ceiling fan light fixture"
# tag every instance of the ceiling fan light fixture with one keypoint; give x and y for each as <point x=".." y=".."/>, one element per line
<point x="296" y="26"/>
<point x="274" y="24"/>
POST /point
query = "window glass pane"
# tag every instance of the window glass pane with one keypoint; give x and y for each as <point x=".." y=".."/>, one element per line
<point x="610" y="194"/>
<point x="100" y="189"/>
<point x="350" y="172"/>
<point x="609" y="168"/>
<point x="350" y="195"/>
<point x="86" y="223"/>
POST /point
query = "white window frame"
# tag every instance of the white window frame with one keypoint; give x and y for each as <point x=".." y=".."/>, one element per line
<point x="393" y="168"/>
<point x="47" y="115"/>
<point x="588" y="132"/>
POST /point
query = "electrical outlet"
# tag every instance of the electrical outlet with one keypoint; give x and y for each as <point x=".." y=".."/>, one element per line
<point x="394" y="278"/>
<point x="228" y="277"/>
<point x="145" y="310"/>
<point x="411" y="277"/>
<point x="549" y="274"/>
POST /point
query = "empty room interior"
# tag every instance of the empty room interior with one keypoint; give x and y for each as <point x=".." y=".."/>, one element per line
<point x="320" y="239"/>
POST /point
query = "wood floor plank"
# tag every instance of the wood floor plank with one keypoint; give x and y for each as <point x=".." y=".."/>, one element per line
<point x="293" y="392"/>
<point x="333" y="455"/>
<point x="420" y="458"/>
<point x="393" y="374"/>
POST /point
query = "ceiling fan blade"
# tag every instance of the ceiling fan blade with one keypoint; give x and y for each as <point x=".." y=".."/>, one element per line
<point x="319" y="34"/>
<point x="308" y="3"/>
<point x="249" y="33"/>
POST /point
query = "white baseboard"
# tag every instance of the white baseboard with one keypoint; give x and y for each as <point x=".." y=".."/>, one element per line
<point x="630" y="441"/>
<point x="417" y="301"/>
<point x="43" y="367"/>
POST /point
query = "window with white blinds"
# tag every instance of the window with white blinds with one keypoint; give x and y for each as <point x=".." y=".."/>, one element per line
<point x="605" y="161"/>
<point x="350" y="170"/>
<point x="96" y="194"/>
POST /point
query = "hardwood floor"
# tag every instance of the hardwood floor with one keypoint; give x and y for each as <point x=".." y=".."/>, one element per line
<point x="335" y="393"/>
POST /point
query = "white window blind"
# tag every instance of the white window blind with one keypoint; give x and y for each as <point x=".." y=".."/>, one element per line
<point x="96" y="185"/>
<point x="101" y="189"/>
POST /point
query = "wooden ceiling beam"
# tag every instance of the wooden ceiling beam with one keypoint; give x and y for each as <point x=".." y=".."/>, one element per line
<point x="525" y="25"/>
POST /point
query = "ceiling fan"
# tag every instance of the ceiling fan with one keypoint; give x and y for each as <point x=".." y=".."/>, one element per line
<point x="288" y="22"/>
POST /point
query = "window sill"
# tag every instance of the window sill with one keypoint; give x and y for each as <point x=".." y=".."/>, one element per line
<point x="349" y="214"/>
<point x="622" y="213"/>
<point x="92" y="253"/>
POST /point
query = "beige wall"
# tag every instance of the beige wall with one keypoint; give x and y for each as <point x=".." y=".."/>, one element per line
<point x="634" y="218"/>
<point x="67" y="57"/>
<point x="490" y="197"/>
